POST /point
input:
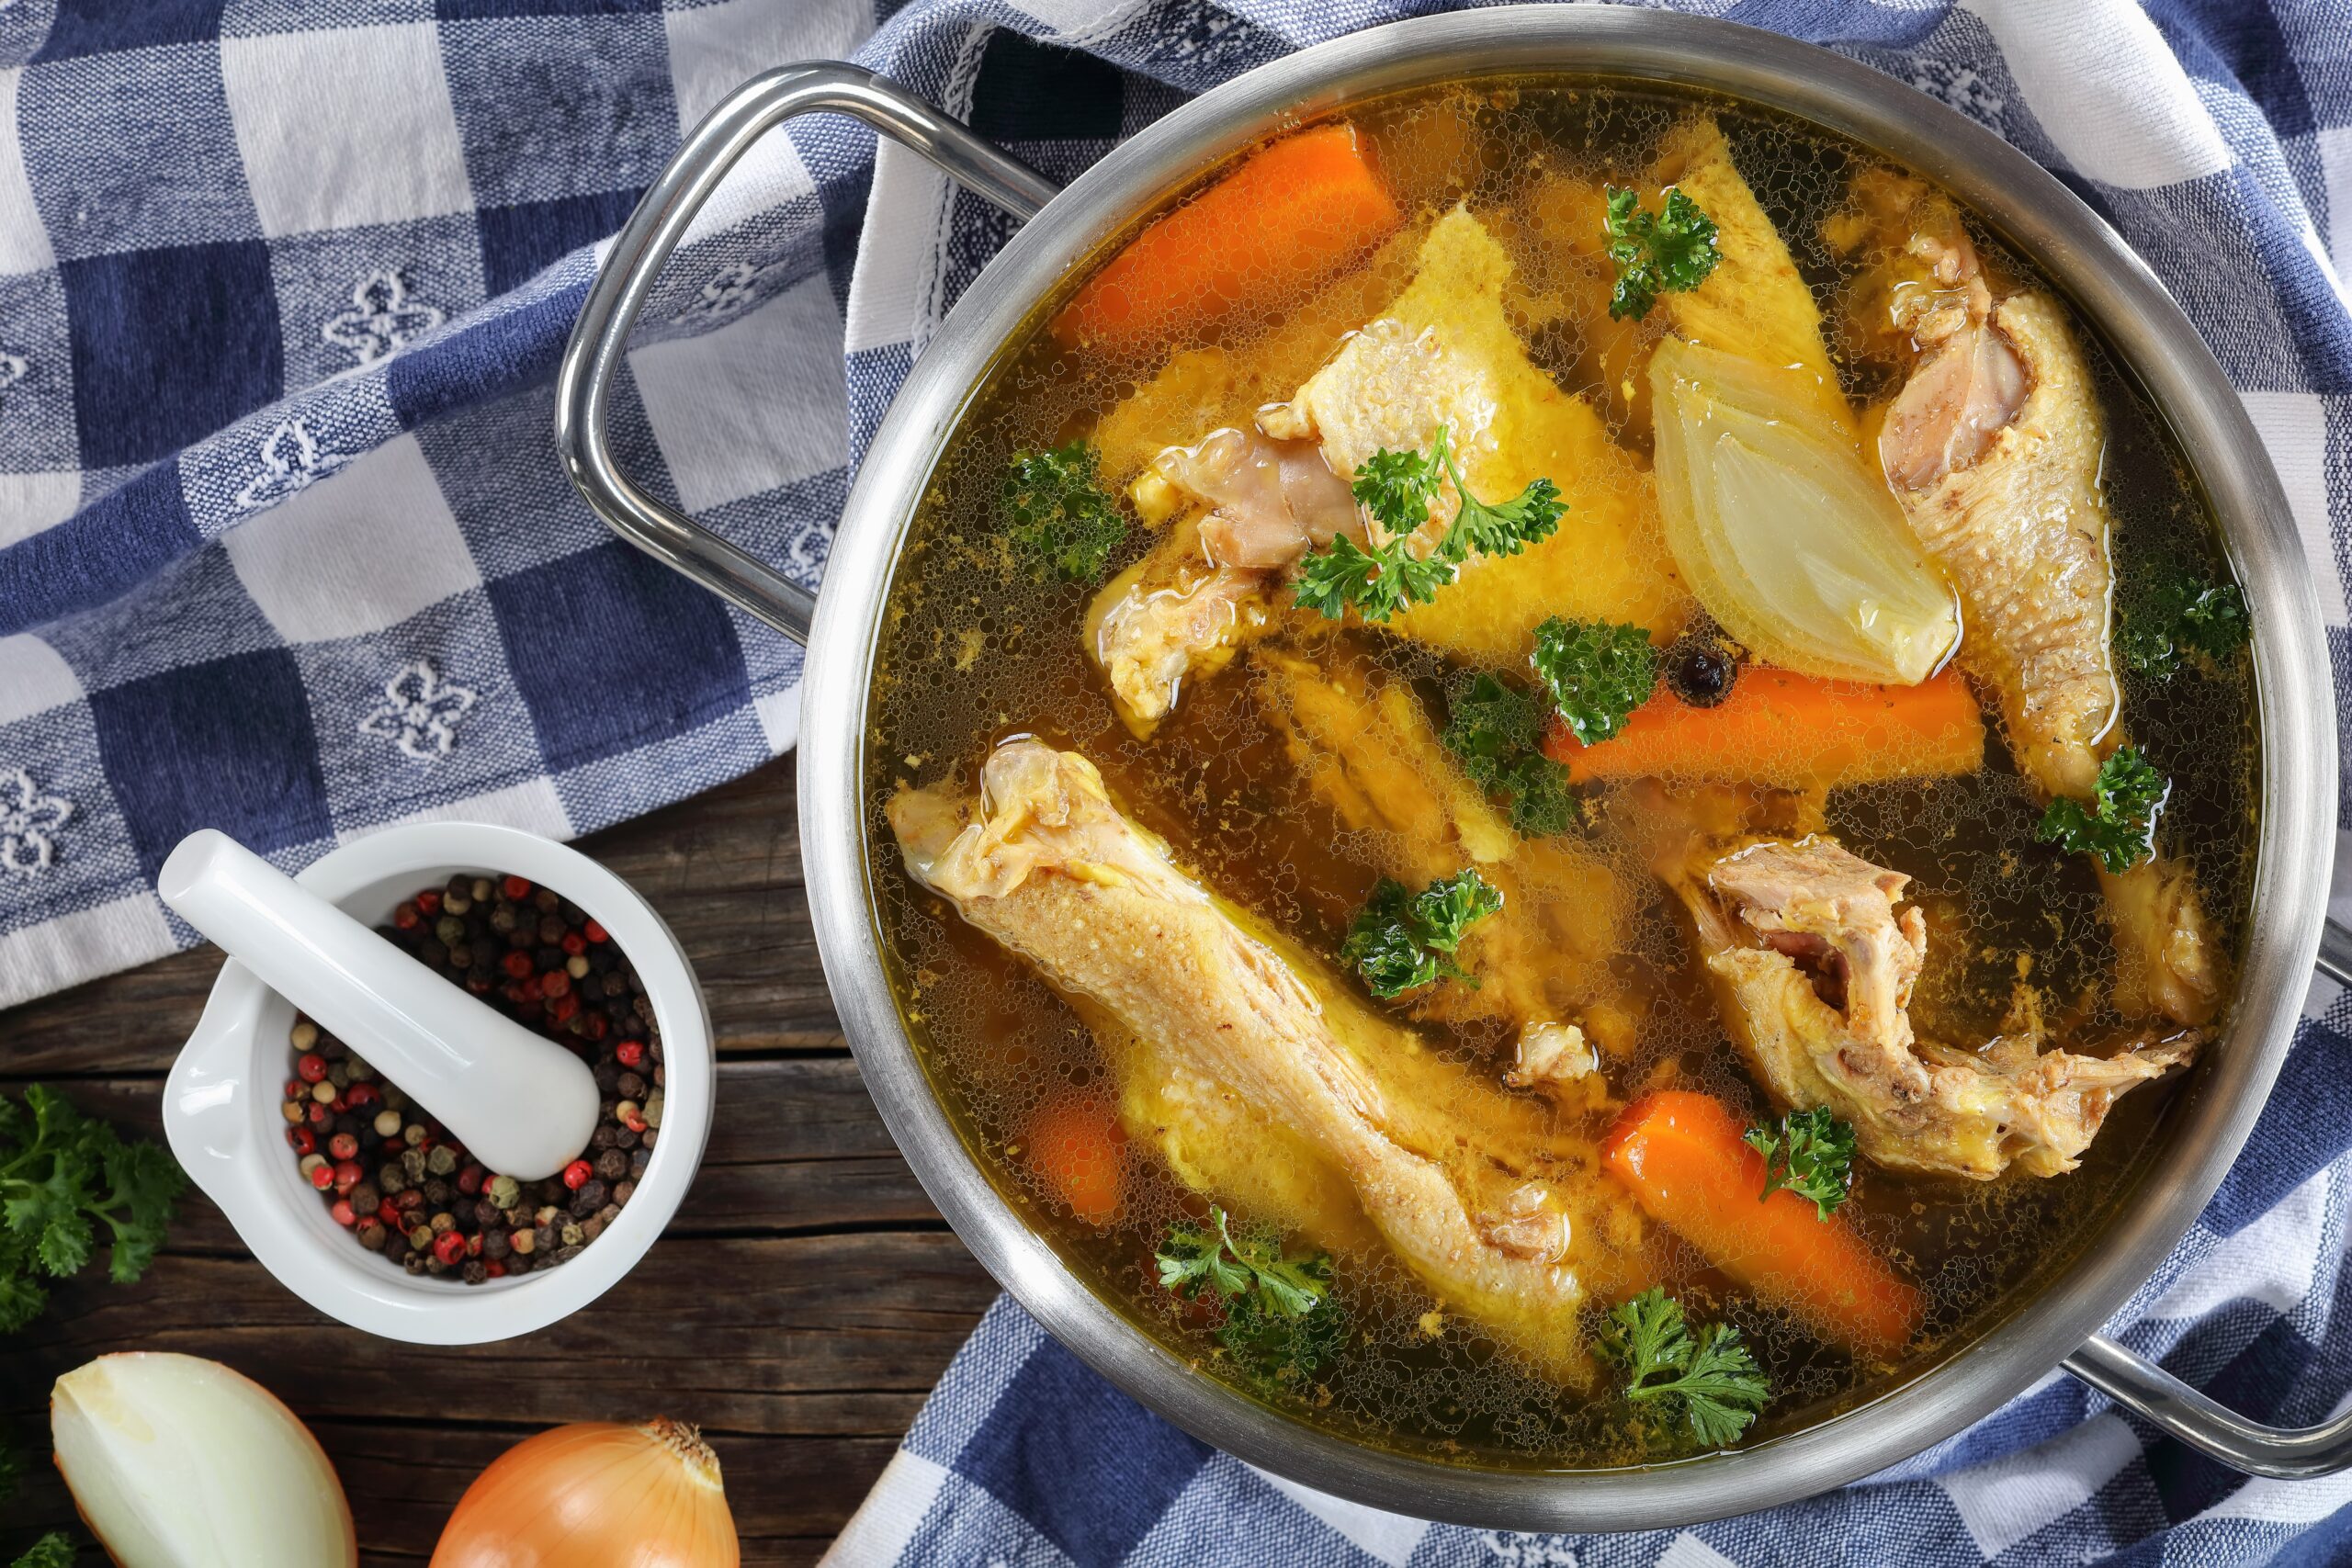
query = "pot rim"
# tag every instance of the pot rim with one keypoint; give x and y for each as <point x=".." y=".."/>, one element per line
<point x="2111" y="288"/>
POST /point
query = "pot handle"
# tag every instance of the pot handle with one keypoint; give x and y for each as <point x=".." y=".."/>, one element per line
<point x="592" y="357"/>
<point x="2285" y="1453"/>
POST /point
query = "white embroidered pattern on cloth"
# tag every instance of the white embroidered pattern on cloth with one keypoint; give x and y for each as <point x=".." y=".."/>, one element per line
<point x="29" y="823"/>
<point x="730" y="289"/>
<point x="382" y="317"/>
<point x="292" y="460"/>
<point x="419" y="712"/>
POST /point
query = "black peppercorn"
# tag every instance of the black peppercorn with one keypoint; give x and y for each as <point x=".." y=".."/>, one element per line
<point x="494" y="1245"/>
<point x="612" y="1165"/>
<point x="475" y="1272"/>
<point x="1701" y="668"/>
<point x="631" y="1086"/>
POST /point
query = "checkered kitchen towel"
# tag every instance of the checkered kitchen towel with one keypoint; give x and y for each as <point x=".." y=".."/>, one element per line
<point x="284" y="549"/>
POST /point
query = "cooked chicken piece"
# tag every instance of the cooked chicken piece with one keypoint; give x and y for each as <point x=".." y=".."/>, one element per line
<point x="1171" y="617"/>
<point x="1271" y="501"/>
<point x="1814" y="969"/>
<point x="1993" y="448"/>
<point x="1551" y="1053"/>
<point x="1754" y="303"/>
<point x="1367" y="749"/>
<point x="1043" y="862"/>
<point x="1444" y="353"/>
<point x="1201" y="389"/>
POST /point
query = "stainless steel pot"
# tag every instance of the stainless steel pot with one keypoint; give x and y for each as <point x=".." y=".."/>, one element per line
<point x="2031" y="209"/>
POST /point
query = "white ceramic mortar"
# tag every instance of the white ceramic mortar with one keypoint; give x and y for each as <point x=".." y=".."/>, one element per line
<point x="222" y="1115"/>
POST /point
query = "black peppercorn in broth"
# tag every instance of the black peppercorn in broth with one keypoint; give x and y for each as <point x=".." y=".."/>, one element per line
<point x="1392" y="805"/>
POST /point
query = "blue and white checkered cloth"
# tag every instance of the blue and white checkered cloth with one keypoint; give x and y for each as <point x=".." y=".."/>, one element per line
<point x="284" y="549"/>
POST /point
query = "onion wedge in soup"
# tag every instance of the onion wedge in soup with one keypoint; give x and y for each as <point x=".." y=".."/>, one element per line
<point x="1786" y="535"/>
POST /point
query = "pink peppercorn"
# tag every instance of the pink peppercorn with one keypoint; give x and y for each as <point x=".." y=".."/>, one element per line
<point x="341" y="1211"/>
<point x="305" y="1142"/>
<point x="322" y="1177"/>
<point x="469" y="1180"/>
<point x="449" y="1248"/>
<point x="362" y="1094"/>
<point x="320" y="1115"/>
<point x="630" y="1053"/>
<point x="389" y="1212"/>
<point x="343" y="1145"/>
<point x="576" y="1173"/>
<point x="310" y="1066"/>
<point x="347" y="1175"/>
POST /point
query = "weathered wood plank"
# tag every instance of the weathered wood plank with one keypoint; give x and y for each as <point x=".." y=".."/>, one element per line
<point x="789" y="1496"/>
<point x="800" y="1305"/>
<point x="723" y="869"/>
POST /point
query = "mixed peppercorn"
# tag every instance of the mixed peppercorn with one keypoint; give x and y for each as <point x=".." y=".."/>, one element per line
<point x="393" y="1177"/>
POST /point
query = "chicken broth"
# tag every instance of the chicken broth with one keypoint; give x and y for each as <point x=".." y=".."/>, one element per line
<point x="1461" y="1171"/>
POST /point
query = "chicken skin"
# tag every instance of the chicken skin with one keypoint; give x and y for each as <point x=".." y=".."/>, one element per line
<point x="1994" y="447"/>
<point x="1813" y="967"/>
<point x="1488" y="1201"/>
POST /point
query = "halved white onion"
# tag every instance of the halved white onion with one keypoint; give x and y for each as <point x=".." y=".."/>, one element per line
<point x="179" y="1462"/>
<point x="1787" y="536"/>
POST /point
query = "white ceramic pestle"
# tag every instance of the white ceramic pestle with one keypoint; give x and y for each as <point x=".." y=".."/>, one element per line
<point x="520" y="1103"/>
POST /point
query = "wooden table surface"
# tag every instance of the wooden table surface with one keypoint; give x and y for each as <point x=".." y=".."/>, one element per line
<point x="800" y="1307"/>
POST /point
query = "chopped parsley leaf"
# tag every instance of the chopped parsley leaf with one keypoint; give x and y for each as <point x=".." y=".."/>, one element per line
<point x="2161" y="625"/>
<point x="1059" y="516"/>
<point x="1712" y="1376"/>
<point x="2119" y="827"/>
<point x="1811" y="1153"/>
<point x="1396" y="490"/>
<point x="1281" y="1325"/>
<point x="1663" y="254"/>
<point x="1496" y="731"/>
<point x="1402" y="940"/>
<point x="1597" y="671"/>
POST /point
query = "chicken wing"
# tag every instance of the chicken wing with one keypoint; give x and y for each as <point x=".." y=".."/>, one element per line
<point x="1994" y="447"/>
<point x="1496" y="1208"/>
<point x="1814" y="967"/>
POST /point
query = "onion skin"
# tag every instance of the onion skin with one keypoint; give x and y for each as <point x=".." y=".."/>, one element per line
<point x="175" y="1462"/>
<point x="596" y="1494"/>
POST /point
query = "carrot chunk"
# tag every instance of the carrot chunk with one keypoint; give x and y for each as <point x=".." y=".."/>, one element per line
<point x="1076" y="1146"/>
<point x="1288" y="216"/>
<point x="1683" y="1156"/>
<point x="1794" y="730"/>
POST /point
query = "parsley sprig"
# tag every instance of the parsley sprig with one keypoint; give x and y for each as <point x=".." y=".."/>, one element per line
<point x="54" y="1550"/>
<point x="1811" y="1153"/>
<point x="62" y="1175"/>
<point x="1496" y="730"/>
<point x="1711" y="1375"/>
<point x="1281" y="1325"/>
<point x="2177" y="616"/>
<point x="1402" y="940"/>
<point x="1396" y="489"/>
<point x="2119" y="827"/>
<point x="1662" y="254"/>
<point x="1059" y="514"/>
<point x="1597" y="671"/>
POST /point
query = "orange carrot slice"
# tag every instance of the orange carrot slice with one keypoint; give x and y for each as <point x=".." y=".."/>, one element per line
<point x="1684" y="1158"/>
<point x="1286" y="218"/>
<point x="1076" y="1146"/>
<point x="1797" y="731"/>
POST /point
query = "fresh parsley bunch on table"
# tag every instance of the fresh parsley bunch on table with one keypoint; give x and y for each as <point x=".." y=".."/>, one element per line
<point x="63" y="1176"/>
